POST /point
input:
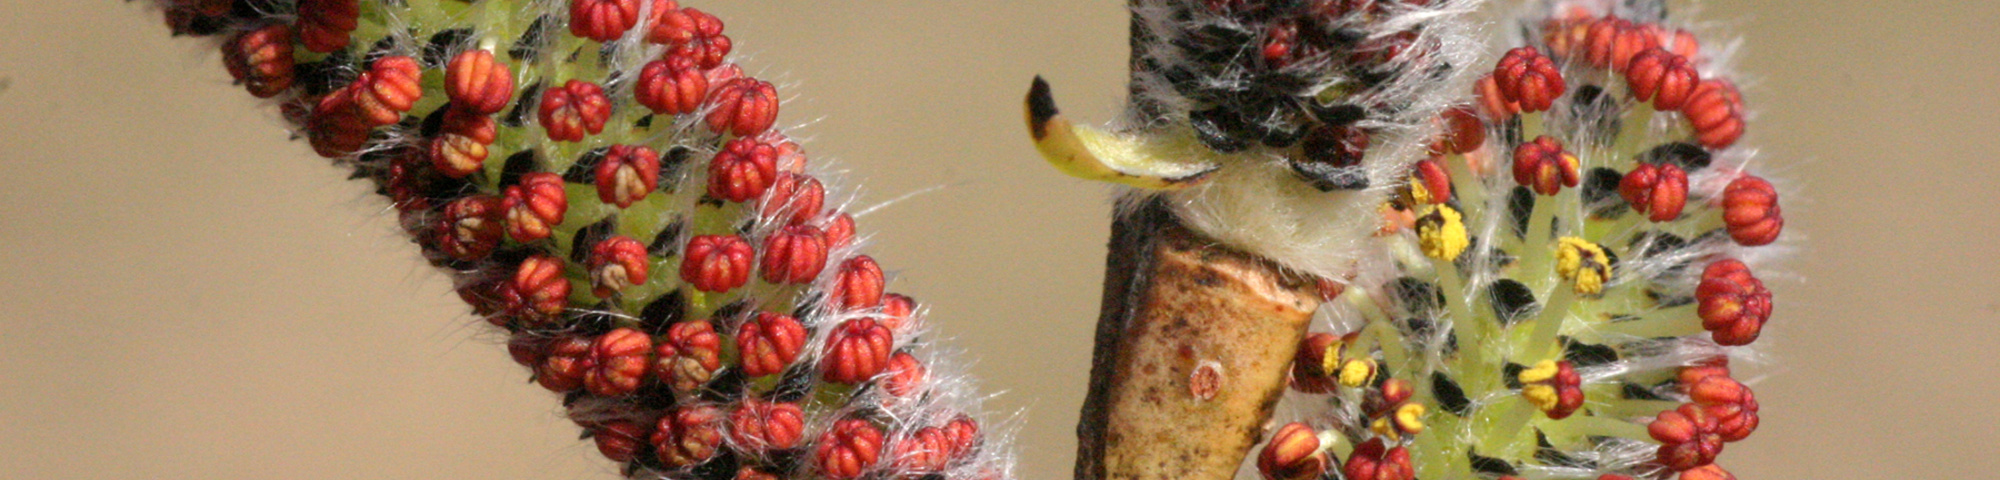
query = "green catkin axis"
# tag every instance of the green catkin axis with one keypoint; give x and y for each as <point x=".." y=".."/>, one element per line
<point x="653" y="369"/>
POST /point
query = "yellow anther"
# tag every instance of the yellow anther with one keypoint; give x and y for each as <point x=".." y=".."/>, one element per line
<point x="1410" y="418"/>
<point x="1441" y="233"/>
<point x="1357" y="372"/>
<point x="1329" y="359"/>
<point x="1418" y="194"/>
<point x="1584" y="264"/>
<point x="1541" y="372"/>
<point x="1542" y="395"/>
<point x="1381" y="427"/>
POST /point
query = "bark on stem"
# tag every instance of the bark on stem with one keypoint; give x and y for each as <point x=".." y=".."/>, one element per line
<point x="1173" y="302"/>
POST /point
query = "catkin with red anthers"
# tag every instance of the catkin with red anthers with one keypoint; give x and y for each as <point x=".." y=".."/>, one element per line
<point x="636" y="219"/>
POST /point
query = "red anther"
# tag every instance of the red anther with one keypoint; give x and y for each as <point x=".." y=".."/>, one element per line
<point x="717" y="263"/>
<point x="1328" y="288"/>
<point x="1715" y="110"/>
<point x="795" y="255"/>
<point x="391" y="86"/>
<point x="1374" y="461"/>
<point x="1382" y="50"/>
<point x="1610" y="42"/>
<point x="1544" y="166"/>
<point x="1656" y="190"/>
<point x="1750" y="211"/>
<point x="1733" y="303"/>
<point x="743" y="107"/>
<point x="671" y="86"/>
<point x="213" y="8"/>
<point x="616" y="263"/>
<point x="617" y="362"/>
<point x="768" y="343"/>
<point x="1688" y="376"/>
<point x="1292" y="454"/>
<point x="1279" y="42"/>
<point x="1682" y="43"/>
<point x="1612" y="476"/>
<point x="324" y="25"/>
<point x="602" y="20"/>
<point x="484" y="294"/>
<point x="856" y="351"/>
<point x="791" y="156"/>
<point x="1309" y="373"/>
<point x="561" y="366"/>
<point x="535" y="205"/>
<point x="1436" y="181"/>
<point x="1553" y="387"/>
<point x="859" y="284"/>
<point x="759" y="426"/>
<point x="722" y="74"/>
<point x="526" y="349"/>
<point x="1527" y="77"/>
<point x="1395" y="391"/>
<point x="964" y="435"/>
<point x="460" y="147"/>
<point x="627" y="174"/>
<point x="1565" y="34"/>
<point x="848" y="449"/>
<point x="619" y="440"/>
<point x="752" y="473"/>
<point x="1732" y="404"/>
<point x="1463" y="132"/>
<point x="334" y="128"/>
<point x="1493" y="103"/>
<point x="689" y="356"/>
<point x="689" y="436"/>
<point x="477" y="83"/>
<point x="471" y="227"/>
<point x="538" y="289"/>
<point x="1663" y="77"/>
<point x="743" y="170"/>
<point x="898" y="311"/>
<point x="839" y="231"/>
<point x="795" y="197"/>
<point x="926" y="451"/>
<point x="567" y="113"/>
<point x="906" y="375"/>
<point x="1707" y="472"/>
<point x="1687" y="437"/>
<point x="690" y="33"/>
<point x="261" y="60"/>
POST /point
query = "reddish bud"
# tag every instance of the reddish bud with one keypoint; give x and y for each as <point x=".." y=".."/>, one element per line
<point x="1733" y="303"/>
<point x="1688" y="376"/>
<point x="795" y="197"/>
<point x="1656" y="190"/>
<point x="856" y="351"/>
<point x="743" y="170"/>
<point x="574" y="110"/>
<point x="526" y="348"/>
<point x="671" y="86"/>
<point x="1527" y="77"/>
<point x="1279" y="41"/>
<point x="460" y="147"/>
<point x="1544" y="166"/>
<point x="619" y="440"/>
<point x="627" y="174"/>
<point x="768" y="343"/>
<point x="261" y="60"/>
<point x="538" y="290"/>
<point x="1687" y="437"/>
<point x="1292" y="454"/>
<point x="392" y="85"/>
<point x="906" y="375"/>
<point x="689" y="356"/>
<point x="616" y="263"/>
<point x="1707" y="472"/>
<point x="898" y="311"/>
<point x="1375" y="461"/>
<point x="1732" y="404"/>
<point x="1553" y="387"/>
<point x="1309" y="373"/>
<point x="1662" y="77"/>
<point x="752" y="473"/>
<point x="602" y="20"/>
<point x="688" y="436"/>
<point x="562" y="367"/>
<point x="617" y="362"/>
<point x="690" y="33"/>
<point x="926" y="451"/>
<point x="1494" y="103"/>
<point x="717" y="263"/>
<point x="839" y="231"/>
<point x="324" y="25"/>
<point x="1436" y="182"/>
<point x="1715" y="110"/>
<point x="848" y="449"/>
<point x="477" y="83"/>
<point x="743" y="107"/>
<point x="535" y="205"/>
<point x="795" y="254"/>
<point x="1750" y="211"/>
<point x="470" y="227"/>
<point x="759" y="426"/>
<point x="335" y="127"/>
<point x="1463" y="132"/>
<point x="859" y="284"/>
<point x="1610" y="42"/>
<point x="964" y="435"/>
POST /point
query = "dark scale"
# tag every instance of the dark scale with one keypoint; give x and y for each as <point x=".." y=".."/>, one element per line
<point x="667" y="243"/>
<point x="1450" y="396"/>
<point x="579" y="246"/>
<point x="437" y="51"/>
<point x="795" y="384"/>
<point x="1511" y="374"/>
<point x="1688" y="156"/>
<point x="1331" y="158"/>
<point x="323" y="77"/>
<point x="1420" y="298"/>
<point x="382" y="48"/>
<point x="676" y="160"/>
<point x="1600" y="193"/>
<point x="1582" y="354"/>
<point x="1520" y="204"/>
<point x="727" y="386"/>
<point x="520" y="163"/>
<point x="533" y="40"/>
<point x="584" y="169"/>
<point x="1511" y="300"/>
<point x="663" y="312"/>
<point x="1597" y="113"/>
<point x="1220" y="130"/>
<point x="1490" y="465"/>
<point x="524" y="103"/>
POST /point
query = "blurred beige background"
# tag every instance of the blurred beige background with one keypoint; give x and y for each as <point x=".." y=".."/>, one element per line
<point x="185" y="294"/>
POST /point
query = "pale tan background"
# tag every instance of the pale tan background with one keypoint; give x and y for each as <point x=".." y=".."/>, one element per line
<point x="185" y="294"/>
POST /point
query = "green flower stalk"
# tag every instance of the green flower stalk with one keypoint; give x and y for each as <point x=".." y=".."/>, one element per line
<point x="1536" y="263"/>
<point x="607" y="186"/>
